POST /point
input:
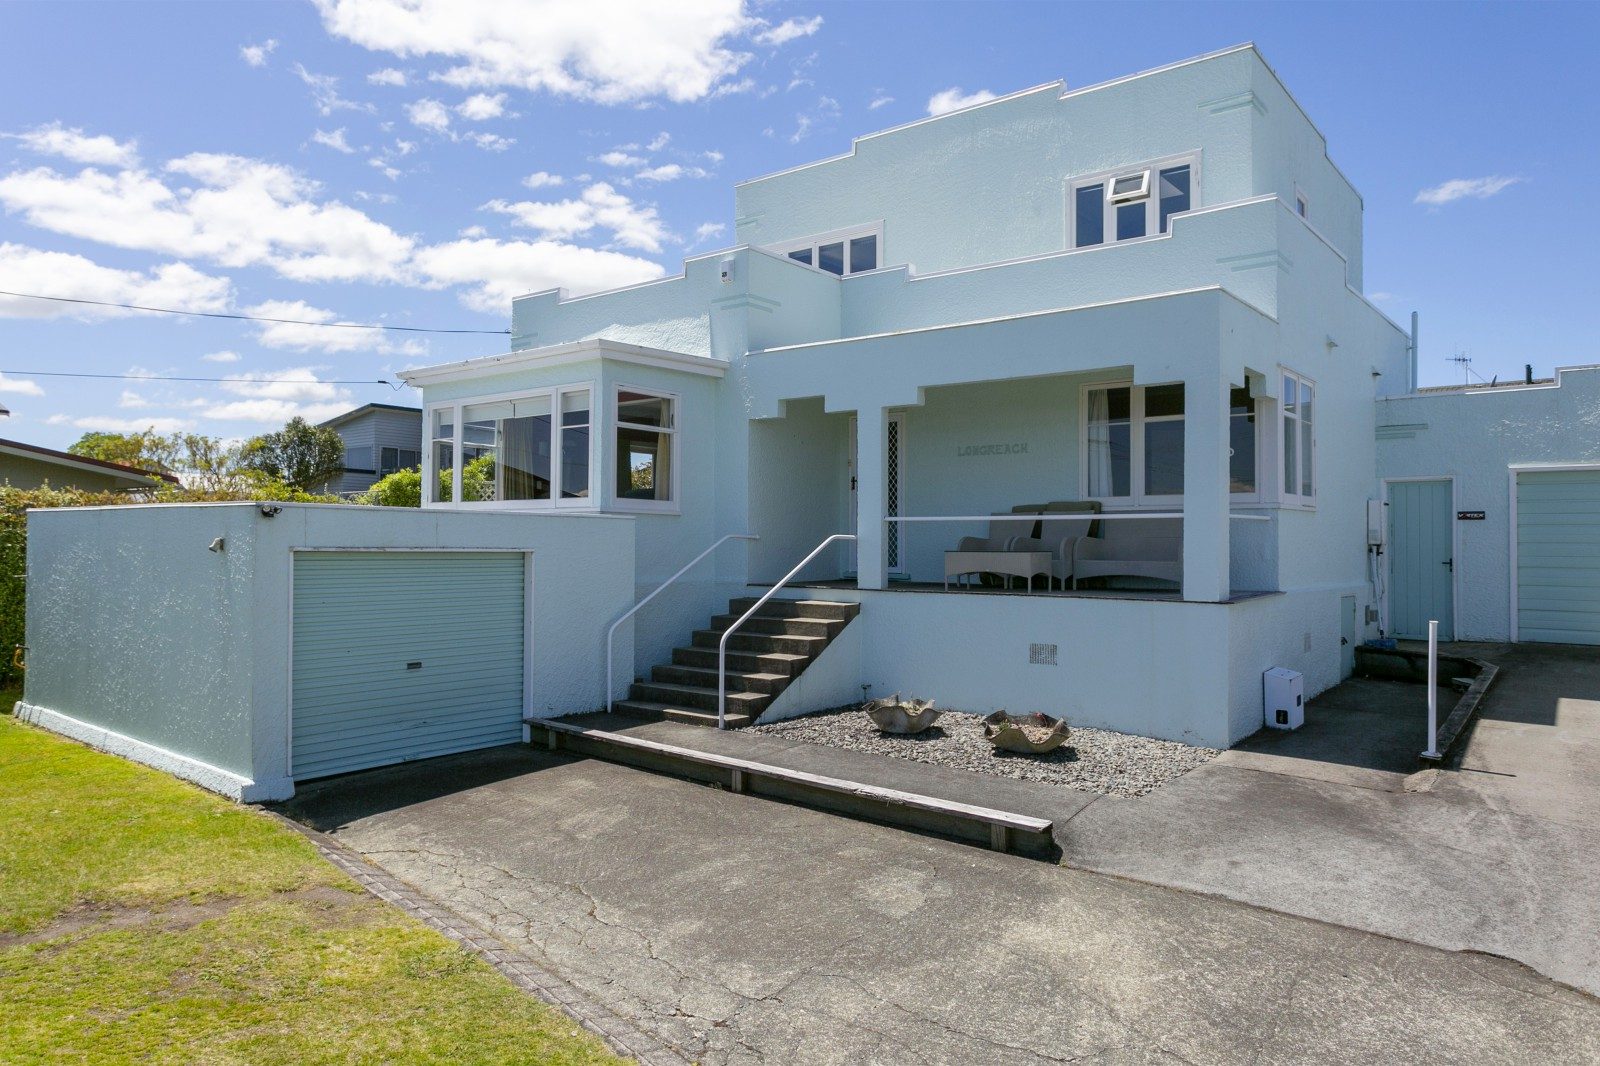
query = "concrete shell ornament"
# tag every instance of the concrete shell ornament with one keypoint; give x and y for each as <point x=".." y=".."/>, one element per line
<point x="1025" y="734"/>
<point x="894" y="715"/>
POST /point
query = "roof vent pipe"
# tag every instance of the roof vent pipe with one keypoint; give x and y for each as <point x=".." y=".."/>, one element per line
<point x="1413" y="351"/>
<point x="1527" y="373"/>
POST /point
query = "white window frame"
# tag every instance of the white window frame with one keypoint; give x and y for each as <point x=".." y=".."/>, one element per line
<point x="430" y="477"/>
<point x="1138" y="499"/>
<point x="1151" y="196"/>
<point x="613" y="424"/>
<point x="1307" y="501"/>
<point x="833" y="237"/>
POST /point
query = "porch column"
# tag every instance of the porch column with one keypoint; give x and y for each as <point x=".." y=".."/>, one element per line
<point x="871" y="506"/>
<point x="1205" y="486"/>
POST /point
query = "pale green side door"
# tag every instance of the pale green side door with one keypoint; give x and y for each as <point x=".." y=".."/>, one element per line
<point x="1421" y="558"/>
<point x="404" y="655"/>
<point x="1558" y="556"/>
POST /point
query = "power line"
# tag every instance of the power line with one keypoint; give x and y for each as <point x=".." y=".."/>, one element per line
<point x="248" y="318"/>
<point x="237" y="380"/>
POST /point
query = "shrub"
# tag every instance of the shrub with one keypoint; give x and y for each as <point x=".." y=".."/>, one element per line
<point x="403" y="488"/>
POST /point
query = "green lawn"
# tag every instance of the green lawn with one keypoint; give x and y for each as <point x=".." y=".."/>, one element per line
<point x="145" y="920"/>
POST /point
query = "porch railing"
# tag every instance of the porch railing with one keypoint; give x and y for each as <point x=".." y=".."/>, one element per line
<point x="631" y="611"/>
<point x="1083" y="517"/>
<point x="722" y="645"/>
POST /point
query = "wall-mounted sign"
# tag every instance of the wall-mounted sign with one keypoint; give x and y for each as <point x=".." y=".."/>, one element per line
<point x="1469" y="516"/>
<point x="1015" y="448"/>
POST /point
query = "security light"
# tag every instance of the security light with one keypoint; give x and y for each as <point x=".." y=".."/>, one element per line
<point x="270" y="510"/>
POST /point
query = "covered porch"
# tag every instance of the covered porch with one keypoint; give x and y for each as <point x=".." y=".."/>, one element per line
<point x="1163" y="458"/>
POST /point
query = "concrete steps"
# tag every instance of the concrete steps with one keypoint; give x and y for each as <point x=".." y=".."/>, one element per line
<point x="764" y="656"/>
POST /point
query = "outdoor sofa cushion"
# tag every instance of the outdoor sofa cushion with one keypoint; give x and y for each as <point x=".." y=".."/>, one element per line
<point x="1004" y="528"/>
<point x="1131" y="547"/>
<point x="1059" y="537"/>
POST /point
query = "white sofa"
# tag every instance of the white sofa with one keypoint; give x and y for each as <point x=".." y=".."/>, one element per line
<point x="1131" y="547"/>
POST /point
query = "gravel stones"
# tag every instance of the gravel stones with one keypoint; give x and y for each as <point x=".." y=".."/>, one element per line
<point x="1093" y="760"/>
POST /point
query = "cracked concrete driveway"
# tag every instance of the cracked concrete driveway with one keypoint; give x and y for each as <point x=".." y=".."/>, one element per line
<point x="738" y="929"/>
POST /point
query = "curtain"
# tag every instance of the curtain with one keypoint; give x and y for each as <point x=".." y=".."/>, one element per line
<point x="1099" y="444"/>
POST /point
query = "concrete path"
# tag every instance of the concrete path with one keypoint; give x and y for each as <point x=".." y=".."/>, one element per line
<point x="1499" y="855"/>
<point x="742" y="930"/>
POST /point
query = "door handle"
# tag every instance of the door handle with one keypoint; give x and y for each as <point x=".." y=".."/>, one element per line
<point x="1451" y="563"/>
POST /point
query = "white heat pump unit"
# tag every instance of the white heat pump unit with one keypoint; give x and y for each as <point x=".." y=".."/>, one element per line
<point x="1285" y="694"/>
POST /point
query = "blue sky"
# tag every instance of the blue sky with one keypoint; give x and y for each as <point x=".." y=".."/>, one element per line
<point x="418" y="163"/>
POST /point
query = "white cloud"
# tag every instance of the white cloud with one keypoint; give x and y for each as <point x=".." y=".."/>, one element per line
<point x="429" y="115"/>
<point x="954" y="100"/>
<point x="1464" y="189"/>
<point x="104" y="424"/>
<point x="788" y="30"/>
<point x="661" y="140"/>
<point x="713" y="155"/>
<point x="20" y="386"/>
<point x="133" y="401"/>
<point x="390" y="172"/>
<point x="240" y="212"/>
<point x="880" y="101"/>
<point x="491" y="142"/>
<point x="256" y="54"/>
<point x="600" y="205"/>
<point x="707" y="230"/>
<point x="173" y="285"/>
<point x="80" y="147"/>
<point x="495" y="272"/>
<point x="618" y="158"/>
<point x="539" y="179"/>
<point x="634" y="51"/>
<point x="334" y="140"/>
<point x="325" y="92"/>
<point x="671" y="172"/>
<point x="387" y="76"/>
<point x="481" y="107"/>
<point x="221" y="357"/>
<point x="279" y="395"/>
<point x="474" y="232"/>
<point x="305" y="337"/>
<point x="826" y="110"/>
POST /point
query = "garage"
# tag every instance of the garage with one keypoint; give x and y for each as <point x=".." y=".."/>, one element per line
<point x="1557" y="555"/>
<point x="401" y="655"/>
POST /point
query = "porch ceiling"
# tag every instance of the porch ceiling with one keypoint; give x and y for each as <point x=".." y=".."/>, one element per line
<point x="1172" y="337"/>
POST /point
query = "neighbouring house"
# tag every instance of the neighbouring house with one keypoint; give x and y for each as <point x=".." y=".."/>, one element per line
<point x="29" y="466"/>
<point x="1068" y="401"/>
<point x="379" y="439"/>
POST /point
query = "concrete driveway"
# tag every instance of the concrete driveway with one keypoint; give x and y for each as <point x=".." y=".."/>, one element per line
<point x="738" y="929"/>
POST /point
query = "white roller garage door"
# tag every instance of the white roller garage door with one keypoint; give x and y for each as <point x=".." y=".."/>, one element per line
<point x="404" y="655"/>
<point x="1558" y="556"/>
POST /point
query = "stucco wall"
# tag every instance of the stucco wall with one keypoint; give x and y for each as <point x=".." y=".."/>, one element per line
<point x="142" y="640"/>
<point x="1475" y="436"/>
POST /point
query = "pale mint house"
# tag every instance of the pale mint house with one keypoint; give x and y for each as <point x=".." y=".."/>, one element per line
<point x="1145" y="294"/>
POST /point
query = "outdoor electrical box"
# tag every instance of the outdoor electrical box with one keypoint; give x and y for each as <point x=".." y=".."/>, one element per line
<point x="1285" y="696"/>
<point x="1376" y="524"/>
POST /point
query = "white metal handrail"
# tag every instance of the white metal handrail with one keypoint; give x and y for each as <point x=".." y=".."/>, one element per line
<point x="1433" y="691"/>
<point x="1082" y="516"/>
<point x="722" y="645"/>
<point x="631" y="611"/>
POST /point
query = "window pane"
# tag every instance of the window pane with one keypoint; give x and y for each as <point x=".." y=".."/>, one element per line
<point x="1300" y="205"/>
<point x="388" y="461"/>
<point x="643" y="465"/>
<point x="1130" y="221"/>
<point x="830" y="257"/>
<point x="642" y="409"/>
<point x="863" y="253"/>
<point x="1289" y="391"/>
<point x="444" y="467"/>
<point x="525" y="452"/>
<point x="358" y="458"/>
<point x="1108" y="442"/>
<point x="1128" y="184"/>
<point x="802" y="256"/>
<point x="410" y="460"/>
<point x="1090" y="216"/>
<point x="1305" y="459"/>
<point x="1241" y="442"/>
<point x="1291" y="466"/>
<point x="1163" y="458"/>
<point x="1174" y="193"/>
<point x="1162" y="400"/>
<point x="443" y="424"/>
<point x="575" y="445"/>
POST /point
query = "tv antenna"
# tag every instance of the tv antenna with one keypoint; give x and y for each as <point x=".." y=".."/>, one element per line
<point x="1464" y="361"/>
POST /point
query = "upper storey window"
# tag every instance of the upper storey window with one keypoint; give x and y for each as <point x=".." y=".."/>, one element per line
<point x="1126" y="205"/>
<point x="837" y="253"/>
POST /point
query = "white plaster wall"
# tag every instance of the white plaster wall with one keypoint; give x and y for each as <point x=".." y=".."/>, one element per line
<point x="1475" y="436"/>
<point x="144" y="641"/>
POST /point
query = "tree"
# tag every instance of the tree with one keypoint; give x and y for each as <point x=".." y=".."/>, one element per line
<point x="300" y="455"/>
<point x="144" y="450"/>
<point x="403" y="488"/>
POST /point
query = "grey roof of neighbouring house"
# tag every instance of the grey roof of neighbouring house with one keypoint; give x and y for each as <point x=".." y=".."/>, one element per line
<point x="339" y="420"/>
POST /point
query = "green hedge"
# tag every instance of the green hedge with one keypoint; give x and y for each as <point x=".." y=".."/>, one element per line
<point x="15" y="504"/>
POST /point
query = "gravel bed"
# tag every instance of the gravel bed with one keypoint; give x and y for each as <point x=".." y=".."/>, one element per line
<point x="1092" y="760"/>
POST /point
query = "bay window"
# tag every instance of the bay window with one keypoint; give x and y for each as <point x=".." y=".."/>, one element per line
<point x="646" y="436"/>
<point x="1126" y="205"/>
<point x="1299" y="438"/>
<point x="529" y="450"/>
<point x="1132" y="444"/>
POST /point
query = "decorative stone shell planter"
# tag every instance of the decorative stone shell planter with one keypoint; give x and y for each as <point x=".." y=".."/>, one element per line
<point x="1025" y="734"/>
<point x="894" y="715"/>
